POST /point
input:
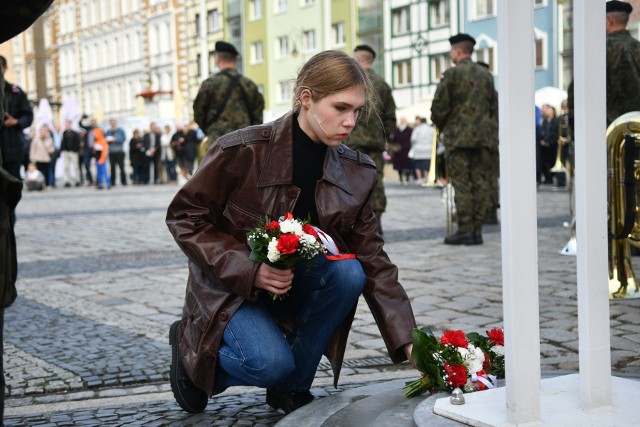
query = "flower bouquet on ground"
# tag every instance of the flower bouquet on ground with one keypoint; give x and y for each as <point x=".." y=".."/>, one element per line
<point x="471" y="362"/>
<point x="284" y="243"/>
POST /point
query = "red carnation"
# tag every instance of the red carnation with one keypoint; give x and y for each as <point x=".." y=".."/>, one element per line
<point x="273" y="225"/>
<point x="288" y="243"/>
<point x="288" y="215"/>
<point x="310" y="230"/>
<point x="496" y="336"/>
<point x="486" y="365"/>
<point x="456" y="375"/>
<point x="456" y="338"/>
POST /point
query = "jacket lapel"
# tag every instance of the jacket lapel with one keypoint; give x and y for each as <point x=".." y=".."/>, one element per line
<point x="334" y="169"/>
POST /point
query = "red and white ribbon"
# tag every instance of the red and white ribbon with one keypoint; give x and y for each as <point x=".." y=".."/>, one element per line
<point x="487" y="380"/>
<point x="331" y="246"/>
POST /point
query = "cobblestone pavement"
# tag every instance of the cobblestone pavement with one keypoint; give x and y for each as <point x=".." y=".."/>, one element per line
<point x="100" y="281"/>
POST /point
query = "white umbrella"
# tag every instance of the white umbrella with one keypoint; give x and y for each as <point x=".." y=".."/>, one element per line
<point x="70" y="110"/>
<point x="550" y="95"/>
<point x="44" y="116"/>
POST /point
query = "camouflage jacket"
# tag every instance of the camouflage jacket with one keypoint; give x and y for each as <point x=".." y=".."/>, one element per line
<point x="374" y="128"/>
<point x="623" y="74"/>
<point x="237" y="113"/>
<point x="465" y="107"/>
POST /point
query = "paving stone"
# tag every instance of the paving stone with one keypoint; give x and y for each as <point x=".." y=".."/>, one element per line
<point x="111" y="304"/>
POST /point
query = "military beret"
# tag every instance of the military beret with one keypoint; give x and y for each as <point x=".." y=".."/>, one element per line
<point x="462" y="37"/>
<point x="619" y="6"/>
<point x="226" y="48"/>
<point x="367" y="48"/>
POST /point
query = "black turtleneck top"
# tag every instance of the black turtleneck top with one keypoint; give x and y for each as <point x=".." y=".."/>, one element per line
<point x="308" y="164"/>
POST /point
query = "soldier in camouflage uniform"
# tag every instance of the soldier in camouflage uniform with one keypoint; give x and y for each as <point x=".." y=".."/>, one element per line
<point x="375" y="128"/>
<point x="623" y="63"/>
<point x="465" y="110"/>
<point x="228" y="100"/>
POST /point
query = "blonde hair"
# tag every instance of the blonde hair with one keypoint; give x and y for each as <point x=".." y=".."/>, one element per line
<point x="330" y="72"/>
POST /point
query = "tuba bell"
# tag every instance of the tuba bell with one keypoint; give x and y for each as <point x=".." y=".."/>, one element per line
<point x="623" y="186"/>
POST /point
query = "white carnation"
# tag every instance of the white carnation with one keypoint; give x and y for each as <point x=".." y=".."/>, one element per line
<point x="498" y="349"/>
<point x="291" y="226"/>
<point x="474" y="359"/>
<point x="272" y="253"/>
<point x="307" y="240"/>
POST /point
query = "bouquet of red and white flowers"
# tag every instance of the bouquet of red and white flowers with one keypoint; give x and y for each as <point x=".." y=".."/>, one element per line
<point x="472" y="362"/>
<point x="284" y="243"/>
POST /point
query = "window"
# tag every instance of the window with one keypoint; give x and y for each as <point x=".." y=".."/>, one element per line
<point x="213" y="21"/>
<point x="439" y="13"/>
<point x="484" y="8"/>
<point x="256" y="53"/>
<point x="281" y="6"/>
<point x="402" y="73"/>
<point x="255" y="9"/>
<point x="46" y="28"/>
<point x="115" y="9"/>
<point x="337" y="32"/>
<point x="285" y="90"/>
<point x="153" y="39"/>
<point x="541" y="46"/>
<point x="401" y="21"/>
<point x="283" y="46"/>
<point x="309" y="40"/>
<point x="539" y="53"/>
<point x="306" y="2"/>
<point x="439" y="64"/>
<point x="485" y="55"/>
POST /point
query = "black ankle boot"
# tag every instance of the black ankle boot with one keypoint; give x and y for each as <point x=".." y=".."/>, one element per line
<point x="461" y="238"/>
<point x="478" y="237"/>
<point x="286" y="400"/>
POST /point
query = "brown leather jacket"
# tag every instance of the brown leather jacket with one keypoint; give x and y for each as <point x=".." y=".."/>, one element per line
<point x="246" y="175"/>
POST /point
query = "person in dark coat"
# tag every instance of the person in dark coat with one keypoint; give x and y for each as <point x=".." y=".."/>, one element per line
<point x="400" y="151"/>
<point x="137" y="157"/>
<point x="15" y="17"/>
<point x="18" y="115"/>
<point x="548" y="141"/>
<point x="232" y="332"/>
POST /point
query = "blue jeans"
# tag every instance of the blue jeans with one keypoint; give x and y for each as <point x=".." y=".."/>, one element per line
<point x="255" y="351"/>
<point x="103" y="176"/>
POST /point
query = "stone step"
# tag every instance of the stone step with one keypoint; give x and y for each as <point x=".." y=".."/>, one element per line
<point x="374" y="405"/>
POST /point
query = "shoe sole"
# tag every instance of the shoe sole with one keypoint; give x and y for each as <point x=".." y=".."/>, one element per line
<point x="173" y="371"/>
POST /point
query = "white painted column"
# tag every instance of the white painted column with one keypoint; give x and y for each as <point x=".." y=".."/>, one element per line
<point x="518" y="210"/>
<point x="591" y="202"/>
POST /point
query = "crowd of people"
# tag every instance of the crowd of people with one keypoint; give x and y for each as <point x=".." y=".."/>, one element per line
<point x="105" y="157"/>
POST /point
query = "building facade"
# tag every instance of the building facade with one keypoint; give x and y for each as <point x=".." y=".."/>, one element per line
<point x="116" y="58"/>
<point x="143" y="60"/>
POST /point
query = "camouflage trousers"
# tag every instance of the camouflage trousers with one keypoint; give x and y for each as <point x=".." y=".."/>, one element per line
<point x="494" y="180"/>
<point x="378" y="196"/>
<point x="469" y="172"/>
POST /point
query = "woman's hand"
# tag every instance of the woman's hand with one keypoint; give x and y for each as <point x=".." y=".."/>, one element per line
<point x="273" y="280"/>
<point x="408" y="348"/>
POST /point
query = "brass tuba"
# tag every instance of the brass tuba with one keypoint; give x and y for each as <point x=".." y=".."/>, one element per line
<point x="623" y="176"/>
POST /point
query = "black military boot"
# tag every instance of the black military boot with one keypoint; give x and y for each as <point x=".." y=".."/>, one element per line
<point x="461" y="238"/>
<point x="189" y="397"/>
<point x="478" y="237"/>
